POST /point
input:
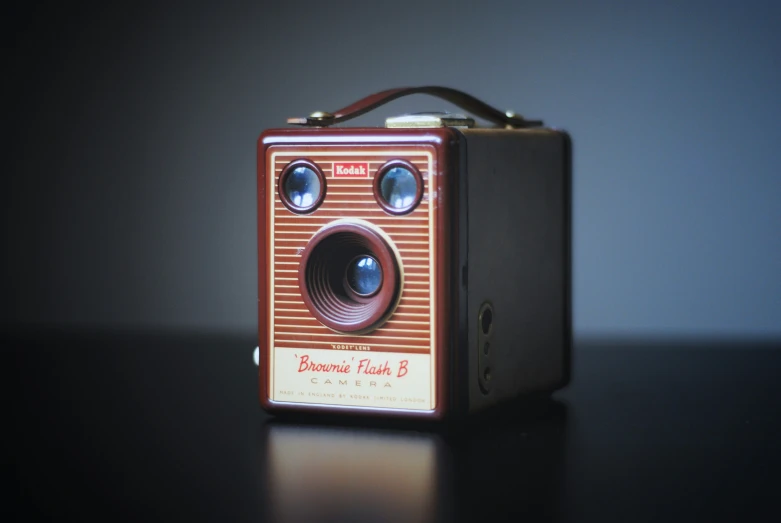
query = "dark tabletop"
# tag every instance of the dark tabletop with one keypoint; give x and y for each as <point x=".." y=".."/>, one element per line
<point x="128" y="426"/>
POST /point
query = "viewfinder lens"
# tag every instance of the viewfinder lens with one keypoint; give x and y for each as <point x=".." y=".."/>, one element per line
<point x="399" y="188"/>
<point x="302" y="187"/>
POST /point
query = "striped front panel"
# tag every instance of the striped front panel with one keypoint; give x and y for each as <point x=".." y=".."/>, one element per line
<point x="292" y="327"/>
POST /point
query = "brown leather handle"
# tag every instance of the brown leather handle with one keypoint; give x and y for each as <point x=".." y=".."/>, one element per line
<point x="458" y="98"/>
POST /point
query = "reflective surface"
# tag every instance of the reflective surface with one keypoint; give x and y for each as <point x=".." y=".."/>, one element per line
<point x="350" y="473"/>
<point x="302" y="187"/>
<point x="167" y="428"/>
<point x="399" y="187"/>
<point x="364" y="275"/>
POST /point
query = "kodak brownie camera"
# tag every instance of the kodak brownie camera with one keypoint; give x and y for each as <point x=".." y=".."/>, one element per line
<point x="419" y="270"/>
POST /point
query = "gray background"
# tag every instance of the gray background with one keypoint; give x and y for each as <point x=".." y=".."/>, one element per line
<point x="130" y="200"/>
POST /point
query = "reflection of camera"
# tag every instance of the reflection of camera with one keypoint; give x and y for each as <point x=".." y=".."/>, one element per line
<point x="422" y="269"/>
<point x="420" y="475"/>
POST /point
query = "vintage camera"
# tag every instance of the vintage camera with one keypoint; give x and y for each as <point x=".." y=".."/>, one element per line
<point x="419" y="270"/>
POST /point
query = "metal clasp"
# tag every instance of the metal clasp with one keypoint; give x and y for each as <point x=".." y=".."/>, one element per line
<point x="423" y="120"/>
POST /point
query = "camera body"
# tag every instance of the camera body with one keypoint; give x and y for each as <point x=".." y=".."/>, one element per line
<point x="416" y="272"/>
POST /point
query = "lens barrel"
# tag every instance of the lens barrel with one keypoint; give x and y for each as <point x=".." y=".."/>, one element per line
<point x="350" y="277"/>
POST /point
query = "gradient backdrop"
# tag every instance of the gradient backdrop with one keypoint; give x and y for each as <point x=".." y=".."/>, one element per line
<point x="129" y="192"/>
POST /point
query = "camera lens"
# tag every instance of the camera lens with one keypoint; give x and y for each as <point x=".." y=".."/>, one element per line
<point x="364" y="276"/>
<point x="302" y="186"/>
<point x="398" y="187"/>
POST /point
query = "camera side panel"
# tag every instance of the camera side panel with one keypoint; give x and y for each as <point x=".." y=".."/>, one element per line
<point x="519" y="263"/>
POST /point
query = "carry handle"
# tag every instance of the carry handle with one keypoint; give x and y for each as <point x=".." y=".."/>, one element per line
<point x="462" y="100"/>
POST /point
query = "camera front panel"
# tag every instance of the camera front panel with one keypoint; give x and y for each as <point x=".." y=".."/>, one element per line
<point x="351" y="277"/>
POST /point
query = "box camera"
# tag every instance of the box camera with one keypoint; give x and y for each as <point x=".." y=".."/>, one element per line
<point x="419" y="270"/>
